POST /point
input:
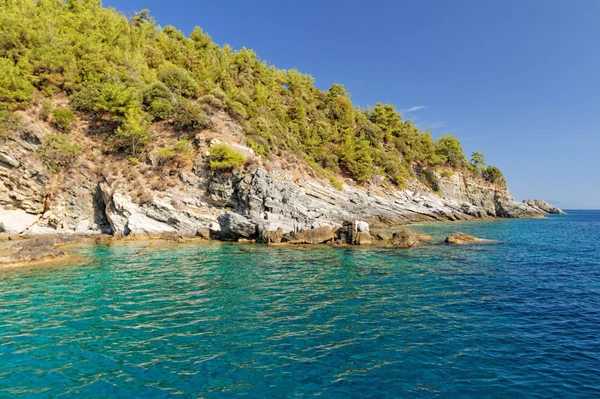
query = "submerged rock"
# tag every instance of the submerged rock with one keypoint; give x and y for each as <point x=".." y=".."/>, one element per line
<point x="424" y="237"/>
<point x="39" y="248"/>
<point x="461" y="238"/>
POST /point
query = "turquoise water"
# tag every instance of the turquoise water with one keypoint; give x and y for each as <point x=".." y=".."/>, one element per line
<point x="519" y="319"/>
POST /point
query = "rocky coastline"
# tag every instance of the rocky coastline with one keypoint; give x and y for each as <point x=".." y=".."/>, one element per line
<point x="268" y="201"/>
<point x="56" y="249"/>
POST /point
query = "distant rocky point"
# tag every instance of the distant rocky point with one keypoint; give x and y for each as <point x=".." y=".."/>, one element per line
<point x="544" y="207"/>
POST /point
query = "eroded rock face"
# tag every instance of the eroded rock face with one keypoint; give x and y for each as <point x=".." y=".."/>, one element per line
<point x="509" y="208"/>
<point x="482" y="199"/>
<point x="16" y="220"/>
<point x="461" y="238"/>
<point x="269" y="204"/>
<point x="274" y="237"/>
<point x="235" y="226"/>
<point x="544" y="207"/>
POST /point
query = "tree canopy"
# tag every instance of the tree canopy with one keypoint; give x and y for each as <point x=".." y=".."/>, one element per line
<point x="132" y="72"/>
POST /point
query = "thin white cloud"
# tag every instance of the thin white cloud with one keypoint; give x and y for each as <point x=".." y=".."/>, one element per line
<point x="438" y="125"/>
<point x="413" y="109"/>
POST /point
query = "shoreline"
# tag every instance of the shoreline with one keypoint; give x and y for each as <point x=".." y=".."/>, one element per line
<point x="58" y="249"/>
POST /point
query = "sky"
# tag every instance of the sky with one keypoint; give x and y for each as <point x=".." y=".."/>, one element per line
<point x="518" y="80"/>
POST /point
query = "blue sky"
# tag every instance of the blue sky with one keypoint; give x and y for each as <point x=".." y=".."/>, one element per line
<point x="515" y="79"/>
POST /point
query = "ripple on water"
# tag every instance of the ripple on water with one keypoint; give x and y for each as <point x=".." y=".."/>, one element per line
<point x="516" y="319"/>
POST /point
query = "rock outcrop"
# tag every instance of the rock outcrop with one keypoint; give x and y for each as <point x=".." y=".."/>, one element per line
<point x="404" y="239"/>
<point x="544" y="207"/>
<point x="320" y="235"/>
<point x="235" y="226"/>
<point x="355" y="232"/>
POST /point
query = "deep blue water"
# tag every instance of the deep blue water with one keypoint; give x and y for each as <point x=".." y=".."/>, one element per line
<point x="518" y="319"/>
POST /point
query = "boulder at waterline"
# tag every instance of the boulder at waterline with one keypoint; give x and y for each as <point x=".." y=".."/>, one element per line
<point x="461" y="238"/>
<point x="404" y="239"/>
<point x="319" y="235"/>
<point x="362" y="238"/>
<point x="235" y="226"/>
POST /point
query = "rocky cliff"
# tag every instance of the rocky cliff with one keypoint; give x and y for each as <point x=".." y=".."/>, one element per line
<point x="103" y="194"/>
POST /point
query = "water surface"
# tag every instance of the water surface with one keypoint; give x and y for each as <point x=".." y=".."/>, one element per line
<point x="515" y="319"/>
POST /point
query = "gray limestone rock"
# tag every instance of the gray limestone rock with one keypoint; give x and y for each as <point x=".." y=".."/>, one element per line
<point x="545" y="207"/>
<point x="81" y="200"/>
<point x="235" y="226"/>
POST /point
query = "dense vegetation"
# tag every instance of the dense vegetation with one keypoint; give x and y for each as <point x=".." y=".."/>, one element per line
<point x="129" y="72"/>
<point x="223" y="157"/>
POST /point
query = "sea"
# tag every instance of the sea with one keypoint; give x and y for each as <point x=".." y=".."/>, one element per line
<point x="519" y="318"/>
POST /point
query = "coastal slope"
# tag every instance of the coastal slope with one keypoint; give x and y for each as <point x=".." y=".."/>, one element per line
<point x="104" y="194"/>
<point x="113" y="124"/>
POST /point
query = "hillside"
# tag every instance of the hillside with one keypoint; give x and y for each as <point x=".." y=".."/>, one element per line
<point x="117" y="125"/>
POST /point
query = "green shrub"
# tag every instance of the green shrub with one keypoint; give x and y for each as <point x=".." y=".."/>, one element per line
<point x="190" y="117"/>
<point x="473" y="168"/>
<point x="446" y="174"/>
<point x="133" y="134"/>
<point x="211" y="102"/>
<point x="154" y="57"/>
<point x="178" y="80"/>
<point x="428" y="177"/>
<point x="357" y="160"/>
<point x="57" y="152"/>
<point x="477" y="158"/>
<point x="237" y="110"/>
<point x="223" y="157"/>
<point x="165" y="153"/>
<point x="9" y="121"/>
<point x="46" y="110"/>
<point x="259" y="146"/>
<point x="14" y="85"/>
<point x="328" y="160"/>
<point x="449" y="148"/>
<point x="63" y="119"/>
<point x="161" y="109"/>
<point x="335" y="183"/>
<point x="178" y="154"/>
<point x="106" y="98"/>
<point x="86" y="98"/>
<point x="157" y="90"/>
<point x="493" y="175"/>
